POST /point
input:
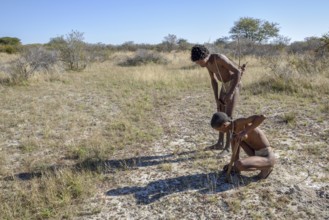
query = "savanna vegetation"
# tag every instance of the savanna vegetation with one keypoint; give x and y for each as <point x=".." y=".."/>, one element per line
<point x="117" y="132"/>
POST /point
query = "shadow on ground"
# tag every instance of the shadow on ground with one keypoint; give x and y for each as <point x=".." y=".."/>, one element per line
<point x="202" y="183"/>
<point x="107" y="166"/>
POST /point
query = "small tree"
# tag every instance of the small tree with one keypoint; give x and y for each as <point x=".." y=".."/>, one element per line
<point x="222" y="41"/>
<point x="10" y="41"/>
<point x="129" y="46"/>
<point x="324" y="48"/>
<point x="253" y="29"/>
<point x="72" y="50"/>
<point x="183" y="44"/>
<point x="325" y="40"/>
<point x="170" y="42"/>
<point x="281" y="42"/>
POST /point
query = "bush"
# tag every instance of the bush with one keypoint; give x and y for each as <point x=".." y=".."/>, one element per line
<point x="97" y="52"/>
<point x="293" y="74"/>
<point x="9" y="45"/>
<point x="292" y="65"/>
<point x="10" y="41"/>
<point x="10" y="49"/>
<point x="143" y="57"/>
<point x="32" y="60"/>
<point x="311" y="45"/>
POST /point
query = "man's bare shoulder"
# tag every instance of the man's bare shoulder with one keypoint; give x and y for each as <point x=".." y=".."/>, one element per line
<point x="240" y="122"/>
<point x="221" y="59"/>
<point x="218" y="57"/>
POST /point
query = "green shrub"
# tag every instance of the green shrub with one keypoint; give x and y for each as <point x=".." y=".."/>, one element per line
<point x="10" y="41"/>
<point x="9" y="45"/>
<point x="10" y="49"/>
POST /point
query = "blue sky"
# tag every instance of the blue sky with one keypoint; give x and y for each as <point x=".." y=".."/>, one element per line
<point x="149" y="21"/>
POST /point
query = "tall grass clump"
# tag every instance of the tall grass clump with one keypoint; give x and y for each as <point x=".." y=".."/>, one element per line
<point x="95" y="148"/>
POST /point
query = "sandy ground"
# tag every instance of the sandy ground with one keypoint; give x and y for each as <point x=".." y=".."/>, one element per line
<point x="174" y="178"/>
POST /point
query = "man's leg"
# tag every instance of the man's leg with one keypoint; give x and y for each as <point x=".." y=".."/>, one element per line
<point x="220" y="143"/>
<point x="230" y="107"/>
<point x="252" y="163"/>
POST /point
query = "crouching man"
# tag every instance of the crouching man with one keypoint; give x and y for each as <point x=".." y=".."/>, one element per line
<point x="251" y="139"/>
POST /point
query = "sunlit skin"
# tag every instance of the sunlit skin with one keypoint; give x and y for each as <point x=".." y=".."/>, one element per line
<point x="251" y="139"/>
<point x="221" y="69"/>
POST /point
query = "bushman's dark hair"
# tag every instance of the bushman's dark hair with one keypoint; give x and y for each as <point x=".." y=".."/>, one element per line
<point x="218" y="119"/>
<point x="199" y="52"/>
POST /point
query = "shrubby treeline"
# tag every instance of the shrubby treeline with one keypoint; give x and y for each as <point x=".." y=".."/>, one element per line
<point x="248" y="37"/>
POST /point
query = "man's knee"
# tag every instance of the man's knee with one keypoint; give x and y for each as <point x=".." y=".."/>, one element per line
<point x="272" y="159"/>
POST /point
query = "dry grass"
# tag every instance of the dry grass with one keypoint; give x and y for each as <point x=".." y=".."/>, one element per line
<point x="137" y="132"/>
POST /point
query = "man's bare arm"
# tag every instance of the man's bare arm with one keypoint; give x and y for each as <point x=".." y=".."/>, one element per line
<point x="236" y="74"/>
<point x="214" y="85"/>
<point x="250" y="123"/>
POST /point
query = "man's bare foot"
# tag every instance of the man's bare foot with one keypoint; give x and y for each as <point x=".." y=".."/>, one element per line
<point x="217" y="146"/>
<point x="264" y="173"/>
<point x="233" y="170"/>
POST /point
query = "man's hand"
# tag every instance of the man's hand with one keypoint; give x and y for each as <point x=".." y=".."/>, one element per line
<point x="243" y="68"/>
<point x="234" y="169"/>
<point x="220" y="105"/>
<point x="227" y="98"/>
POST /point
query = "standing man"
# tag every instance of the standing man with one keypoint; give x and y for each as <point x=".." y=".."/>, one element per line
<point x="220" y="69"/>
